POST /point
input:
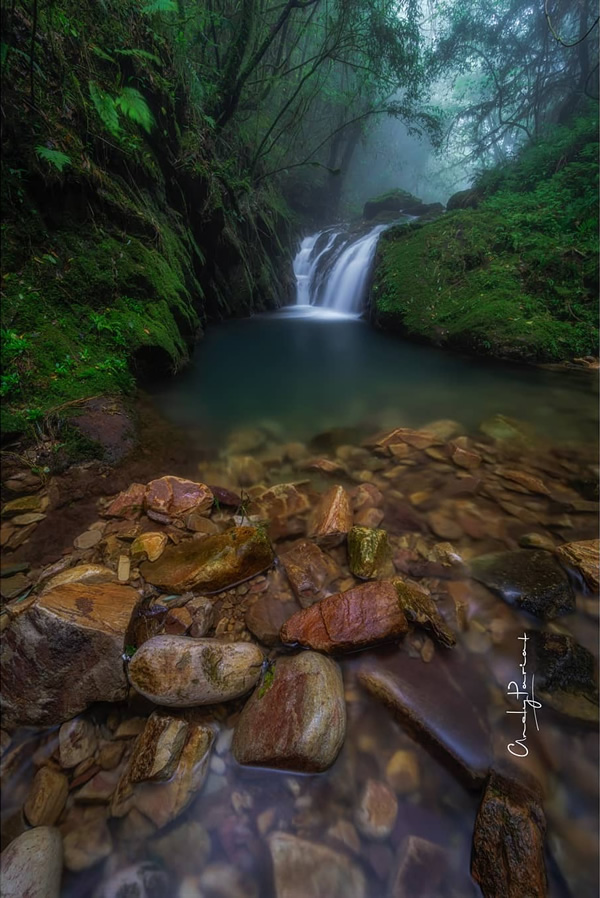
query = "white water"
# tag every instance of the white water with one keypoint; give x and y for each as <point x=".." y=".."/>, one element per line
<point x="342" y="292"/>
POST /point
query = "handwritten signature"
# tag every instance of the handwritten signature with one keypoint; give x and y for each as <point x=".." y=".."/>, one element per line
<point x="518" y="748"/>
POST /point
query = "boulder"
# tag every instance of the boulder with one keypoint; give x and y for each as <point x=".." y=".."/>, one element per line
<point x="531" y="581"/>
<point x="211" y="564"/>
<point x="176" y="497"/>
<point x="363" y="616"/>
<point x="332" y="518"/>
<point x="31" y="866"/>
<point x="181" y="672"/>
<point x="309" y="570"/>
<point x="68" y="648"/>
<point x="304" y="869"/>
<point x="508" y="842"/>
<point x="584" y="557"/>
<point x="369" y="553"/>
<point x="397" y="200"/>
<point x="464" y="199"/>
<point x="296" y="719"/>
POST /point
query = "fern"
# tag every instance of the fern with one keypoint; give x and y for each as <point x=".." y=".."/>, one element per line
<point x="159" y="6"/>
<point x="134" y="106"/>
<point x="102" y="54"/>
<point x="139" y="54"/>
<point x="53" y="157"/>
<point x="105" y="107"/>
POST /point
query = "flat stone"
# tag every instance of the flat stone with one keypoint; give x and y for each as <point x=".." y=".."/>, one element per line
<point x="47" y="797"/>
<point x="211" y="564"/>
<point x="31" y="866"/>
<point x="88" y="539"/>
<point x="531" y="581"/>
<point x="309" y="570"/>
<point x="377" y="810"/>
<point x="77" y="741"/>
<point x="296" y="719"/>
<point x="149" y="544"/>
<point x="304" y="869"/>
<point x="158" y="749"/>
<point x="332" y="518"/>
<point x="433" y="703"/>
<point x="81" y="573"/>
<point x="508" y="842"/>
<point x="181" y="672"/>
<point x="369" y="553"/>
<point x="25" y="505"/>
<point x="536" y="541"/>
<point x="176" y="497"/>
<point x="279" y="502"/>
<point x="266" y="617"/>
<point x="178" y="621"/>
<point x="420" y="609"/>
<point x="67" y="646"/>
<point x="529" y="481"/>
<point x="464" y="458"/>
<point x="363" y="616"/>
<point x="420" y="868"/>
<point x="584" y="556"/>
<point x="32" y="517"/>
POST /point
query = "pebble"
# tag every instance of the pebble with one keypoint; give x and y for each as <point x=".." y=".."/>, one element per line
<point x="402" y="772"/>
<point x="377" y="810"/>
<point x="88" y="539"/>
<point x="47" y="797"/>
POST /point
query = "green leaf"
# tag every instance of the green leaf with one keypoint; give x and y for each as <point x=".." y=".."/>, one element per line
<point x="53" y="157"/>
<point x="134" y="106"/>
<point x="139" y="54"/>
<point x="105" y="107"/>
<point x="159" y="6"/>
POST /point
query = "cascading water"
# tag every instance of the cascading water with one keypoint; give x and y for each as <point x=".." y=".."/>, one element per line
<point x="331" y="273"/>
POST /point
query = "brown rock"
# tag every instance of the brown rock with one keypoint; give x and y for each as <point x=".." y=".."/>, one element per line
<point x="87" y="844"/>
<point x="522" y="478"/>
<point x="110" y="755"/>
<point x="377" y="810"/>
<point x="418" y="439"/>
<point x="421" y="867"/>
<point x="310" y="571"/>
<point x="158" y="749"/>
<point x="88" y="539"/>
<point x="200" y="524"/>
<point x="365" y="496"/>
<point x="47" y="797"/>
<point x="464" y="458"/>
<point x="332" y="518"/>
<point x="31" y="517"/>
<point x="443" y="526"/>
<point x="128" y="504"/>
<point x="266" y="617"/>
<point x="360" y="617"/>
<point x="296" y="719"/>
<point x="246" y="470"/>
<point x="10" y="587"/>
<point x="369" y="517"/>
<point x="81" y="573"/>
<point x="99" y="787"/>
<point x="149" y="544"/>
<point x="77" y="741"/>
<point x="211" y="564"/>
<point x="306" y="870"/>
<point x="419" y="608"/>
<point x="402" y="772"/>
<point x="584" y="556"/>
<point x="31" y="866"/>
<point x="68" y="648"/>
<point x="176" y="497"/>
<point x="508" y="842"/>
<point x="178" y="621"/>
<point x="369" y="553"/>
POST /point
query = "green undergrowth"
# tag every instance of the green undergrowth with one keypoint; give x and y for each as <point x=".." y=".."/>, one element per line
<point x="518" y="276"/>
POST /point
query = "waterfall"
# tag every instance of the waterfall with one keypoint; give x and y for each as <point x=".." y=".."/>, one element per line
<point x="332" y="271"/>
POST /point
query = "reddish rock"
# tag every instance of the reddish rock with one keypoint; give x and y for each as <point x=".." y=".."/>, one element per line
<point x="332" y="518"/>
<point x="211" y="564"/>
<point x="176" y="497"/>
<point x="360" y="617"/>
<point x="377" y="810"/>
<point x="68" y="648"/>
<point x="278" y="505"/>
<point x="266" y="617"/>
<point x="309" y="570"/>
<point x="508" y="842"/>
<point x="420" y="868"/>
<point x="128" y="504"/>
<point x="584" y="556"/>
<point x="296" y="719"/>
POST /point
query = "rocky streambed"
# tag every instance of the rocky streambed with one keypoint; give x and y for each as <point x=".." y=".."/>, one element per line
<point x="288" y="673"/>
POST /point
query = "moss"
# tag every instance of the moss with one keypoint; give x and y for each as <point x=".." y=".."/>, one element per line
<point x="268" y="680"/>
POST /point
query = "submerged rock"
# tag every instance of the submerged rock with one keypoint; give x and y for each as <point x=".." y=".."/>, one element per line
<point x="158" y="749"/>
<point x="532" y="581"/>
<point x="377" y="810"/>
<point x="508" y="842"/>
<point x="67" y="647"/>
<point x="295" y="720"/>
<point x="47" y="797"/>
<point x="213" y="563"/>
<point x="584" y="556"/>
<point x="332" y="518"/>
<point x="31" y="866"/>
<point x="180" y="672"/>
<point x="144" y="880"/>
<point x="564" y="676"/>
<point x="369" y="553"/>
<point x="304" y="869"/>
<point x="309" y="570"/>
<point x="363" y="616"/>
<point x="420" y="868"/>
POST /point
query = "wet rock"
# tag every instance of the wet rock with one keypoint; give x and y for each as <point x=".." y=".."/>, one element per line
<point x="31" y="517"/>
<point x="202" y="611"/>
<point x="532" y="581"/>
<point x="280" y="506"/>
<point x="310" y="571"/>
<point x="296" y="719"/>
<point x="224" y="881"/>
<point x="584" y="556"/>
<point x="564" y="676"/>
<point x="430" y="703"/>
<point x="304" y="869"/>
<point x="31" y="866"/>
<point x="110" y="754"/>
<point x="402" y="772"/>
<point x="369" y="517"/>
<point x="364" y="496"/>
<point x="211" y="564"/>
<point x="347" y="621"/>
<point x="68" y="648"/>
<point x="87" y="844"/>
<point x="181" y="672"/>
<point x="149" y="545"/>
<point x="332" y="518"/>
<point x="419" y="608"/>
<point x="266" y="617"/>
<point x="369" y="553"/>
<point x="129" y="503"/>
<point x="377" y="810"/>
<point x="99" y="788"/>
<point x="144" y="880"/>
<point x="420" y="868"/>
<point x="77" y="741"/>
<point x="158" y="749"/>
<point x="176" y="497"/>
<point x="502" y="428"/>
<point x="508" y="842"/>
<point x="81" y="573"/>
<point x="47" y="797"/>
